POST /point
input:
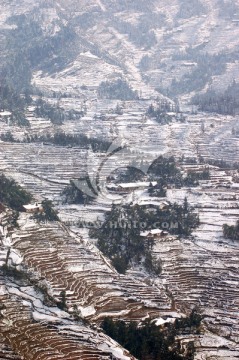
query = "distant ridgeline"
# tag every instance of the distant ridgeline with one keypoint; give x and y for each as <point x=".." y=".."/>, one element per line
<point x="226" y="102"/>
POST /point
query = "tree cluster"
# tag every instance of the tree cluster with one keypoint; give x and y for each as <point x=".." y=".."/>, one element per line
<point x="206" y="66"/>
<point x="54" y="113"/>
<point x="142" y="34"/>
<point x="158" y="190"/>
<point x="193" y="177"/>
<point x="161" y="112"/>
<point x="222" y="103"/>
<point x="30" y="47"/>
<point x="127" y="175"/>
<point x="7" y="137"/>
<point x="150" y="342"/>
<point x="189" y="9"/>
<point x="231" y="232"/>
<point x="117" y="90"/>
<point x="60" y="138"/>
<point x="12" y="101"/>
<point x="119" y="236"/>
<point x="48" y="213"/>
<point x="228" y="9"/>
<point x="26" y="46"/>
<point x="166" y="171"/>
<point x="73" y="195"/>
<point x="12" y="194"/>
<point x="46" y="110"/>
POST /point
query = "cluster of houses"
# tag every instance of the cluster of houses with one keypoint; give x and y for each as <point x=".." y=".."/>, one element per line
<point x="153" y="234"/>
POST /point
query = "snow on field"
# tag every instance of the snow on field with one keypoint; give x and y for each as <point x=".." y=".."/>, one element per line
<point x="201" y="270"/>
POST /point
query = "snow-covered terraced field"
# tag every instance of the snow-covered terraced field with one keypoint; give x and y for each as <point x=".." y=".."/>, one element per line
<point x="68" y="262"/>
<point x="199" y="271"/>
<point x="36" y="332"/>
<point x="38" y="164"/>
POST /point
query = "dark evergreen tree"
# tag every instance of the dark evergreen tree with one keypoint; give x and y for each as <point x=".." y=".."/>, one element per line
<point x="73" y="195"/>
<point x="48" y="213"/>
<point x="118" y="90"/>
<point x="231" y="232"/>
<point x="12" y="194"/>
<point x="150" y="342"/>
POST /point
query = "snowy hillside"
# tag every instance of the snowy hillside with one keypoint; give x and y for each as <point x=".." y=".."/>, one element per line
<point x="88" y="89"/>
<point x="153" y="43"/>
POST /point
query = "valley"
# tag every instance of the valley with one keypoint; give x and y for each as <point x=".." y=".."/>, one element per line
<point x="56" y="286"/>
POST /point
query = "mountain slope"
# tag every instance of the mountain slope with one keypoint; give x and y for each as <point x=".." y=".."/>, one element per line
<point x="162" y="45"/>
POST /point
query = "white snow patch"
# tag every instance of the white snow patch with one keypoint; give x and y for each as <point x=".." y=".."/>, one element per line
<point x="87" y="311"/>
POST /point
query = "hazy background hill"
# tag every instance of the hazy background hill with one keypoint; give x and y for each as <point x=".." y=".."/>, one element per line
<point x="176" y="48"/>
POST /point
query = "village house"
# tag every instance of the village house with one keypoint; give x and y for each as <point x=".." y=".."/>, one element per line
<point x="152" y="203"/>
<point x="5" y="116"/>
<point x="33" y="208"/>
<point x="153" y="234"/>
<point x="130" y="187"/>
